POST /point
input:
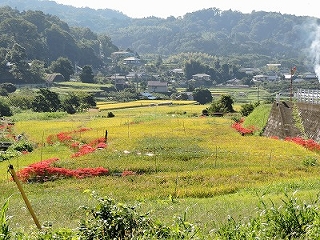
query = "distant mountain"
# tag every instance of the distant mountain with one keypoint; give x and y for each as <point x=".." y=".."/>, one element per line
<point x="244" y="37"/>
<point x="87" y="17"/>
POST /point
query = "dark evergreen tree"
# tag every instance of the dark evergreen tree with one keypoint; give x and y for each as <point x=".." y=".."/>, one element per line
<point x="46" y="101"/>
<point x="202" y="96"/>
<point x="86" y="75"/>
<point x="5" y="109"/>
<point x="64" y="66"/>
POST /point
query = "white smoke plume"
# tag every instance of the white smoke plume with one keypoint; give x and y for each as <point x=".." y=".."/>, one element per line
<point x="315" y="48"/>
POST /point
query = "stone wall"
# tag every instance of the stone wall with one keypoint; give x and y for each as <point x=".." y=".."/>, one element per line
<point x="282" y="124"/>
<point x="310" y="115"/>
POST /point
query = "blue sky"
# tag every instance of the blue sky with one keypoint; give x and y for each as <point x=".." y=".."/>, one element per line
<point x="166" y="8"/>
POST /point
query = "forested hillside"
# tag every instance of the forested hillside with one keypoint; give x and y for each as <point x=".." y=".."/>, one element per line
<point x="46" y="37"/>
<point x="32" y="35"/>
<point x="257" y="37"/>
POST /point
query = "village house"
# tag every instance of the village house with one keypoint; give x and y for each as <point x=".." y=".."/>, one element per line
<point x="157" y="86"/>
<point x="132" y="61"/>
<point x="116" y="56"/>
<point x="120" y="82"/>
<point x="266" y="77"/>
<point x="201" y="79"/>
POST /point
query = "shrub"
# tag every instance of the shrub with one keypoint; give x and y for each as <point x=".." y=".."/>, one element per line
<point x="22" y="146"/>
<point x="110" y="115"/>
<point x="111" y="220"/>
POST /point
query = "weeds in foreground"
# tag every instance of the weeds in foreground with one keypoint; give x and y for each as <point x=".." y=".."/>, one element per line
<point x="4" y="222"/>
<point x="292" y="220"/>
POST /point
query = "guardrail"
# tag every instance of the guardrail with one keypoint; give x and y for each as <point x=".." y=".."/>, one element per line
<point x="308" y="95"/>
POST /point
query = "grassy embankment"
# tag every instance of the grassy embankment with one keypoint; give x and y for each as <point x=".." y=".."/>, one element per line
<point x="184" y="163"/>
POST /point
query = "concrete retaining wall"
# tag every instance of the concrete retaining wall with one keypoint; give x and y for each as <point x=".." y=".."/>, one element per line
<point x="281" y="122"/>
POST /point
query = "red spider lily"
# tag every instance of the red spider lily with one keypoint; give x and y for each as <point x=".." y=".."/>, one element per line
<point x="97" y="141"/>
<point x="75" y="145"/>
<point x="42" y="171"/>
<point x="274" y="137"/>
<point x="242" y="130"/>
<point x="307" y="143"/>
<point x="35" y="170"/>
<point x="128" y="173"/>
<point x="101" y="145"/>
<point x="82" y="130"/>
<point x="64" y="137"/>
<point x="83" y="150"/>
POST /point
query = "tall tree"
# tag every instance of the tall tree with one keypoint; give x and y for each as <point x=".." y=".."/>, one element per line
<point x="46" y="101"/>
<point x="19" y="68"/>
<point x="86" y="74"/>
<point x="64" y="66"/>
<point x="202" y="96"/>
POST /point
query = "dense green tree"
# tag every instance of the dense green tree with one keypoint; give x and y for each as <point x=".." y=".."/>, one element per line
<point x="202" y="96"/>
<point x="193" y="67"/>
<point x="61" y="44"/>
<point x="25" y="34"/>
<point x="5" y="109"/>
<point x="86" y="75"/>
<point x="64" y="66"/>
<point x="71" y="103"/>
<point x="19" y="67"/>
<point x="77" y="102"/>
<point x="8" y="87"/>
<point x="37" y="70"/>
<point x="247" y="108"/>
<point x="222" y="105"/>
<point x="46" y="101"/>
<point x="22" y="99"/>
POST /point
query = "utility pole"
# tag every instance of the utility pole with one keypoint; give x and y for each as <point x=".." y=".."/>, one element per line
<point x="293" y="70"/>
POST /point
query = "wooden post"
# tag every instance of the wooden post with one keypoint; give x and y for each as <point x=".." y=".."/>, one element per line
<point x="15" y="178"/>
<point x="106" y="136"/>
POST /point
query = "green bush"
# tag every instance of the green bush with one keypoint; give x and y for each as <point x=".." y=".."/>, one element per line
<point x="111" y="220"/>
<point x="110" y="115"/>
<point x="248" y="108"/>
<point x="21" y="146"/>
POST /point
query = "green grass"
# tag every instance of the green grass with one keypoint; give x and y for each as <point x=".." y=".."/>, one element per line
<point x="259" y="117"/>
<point x="199" y="165"/>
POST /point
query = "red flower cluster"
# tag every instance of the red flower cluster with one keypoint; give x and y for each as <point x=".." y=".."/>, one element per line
<point x="307" y="143"/>
<point x="64" y="137"/>
<point x="242" y="130"/>
<point x="43" y="171"/>
<point x="127" y="173"/>
<point x="89" y="148"/>
<point x="82" y="149"/>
